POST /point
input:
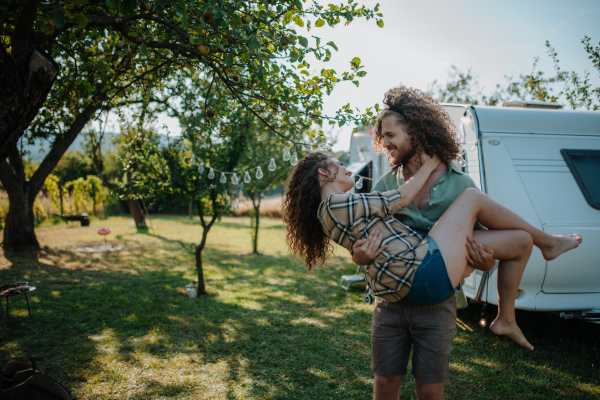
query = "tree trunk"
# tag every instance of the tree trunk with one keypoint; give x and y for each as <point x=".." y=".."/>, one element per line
<point x="137" y="214"/>
<point x="21" y="234"/>
<point x="199" y="269"/>
<point x="24" y="87"/>
<point x="256" y="223"/>
<point x="19" y="226"/>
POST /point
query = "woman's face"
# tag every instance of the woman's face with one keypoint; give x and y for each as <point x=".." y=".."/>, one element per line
<point x="340" y="175"/>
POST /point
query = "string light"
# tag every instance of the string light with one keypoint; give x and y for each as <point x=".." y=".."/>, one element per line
<point x="359" y="184"/>
<point x="247" y="178"/>
<point x="223" y="178"/>
<point x="286" y="154"/>
<point x="235" y="179"/>
<point x="211" y="174"/>
<point x="193" y="160"/>
<point x="201" y="168"/>
<point x="272" y="165"/>
<point x="259" y="173"/>
<point x="294" y="159"/>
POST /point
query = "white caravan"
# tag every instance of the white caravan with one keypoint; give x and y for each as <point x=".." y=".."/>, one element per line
<point x="544" y="164"/>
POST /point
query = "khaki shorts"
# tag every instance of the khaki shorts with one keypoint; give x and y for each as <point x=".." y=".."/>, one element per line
<point x="426" y="328"/>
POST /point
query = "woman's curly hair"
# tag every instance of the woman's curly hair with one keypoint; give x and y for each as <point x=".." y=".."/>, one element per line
<point x="428" y="124"/>
<point x="305" y="236"/>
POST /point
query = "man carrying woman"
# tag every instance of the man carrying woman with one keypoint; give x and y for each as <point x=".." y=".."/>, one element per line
<point x="414" y="275"/>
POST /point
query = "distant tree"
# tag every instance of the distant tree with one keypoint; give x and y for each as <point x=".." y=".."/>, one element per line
<point x="128" y="143"/>
<point x="461" y="88"/>
<point x="73" y="165"/>
<point x="572" y="87"/>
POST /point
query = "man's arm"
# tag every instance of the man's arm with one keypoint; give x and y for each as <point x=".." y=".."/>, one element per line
<point x="365" y="250"/>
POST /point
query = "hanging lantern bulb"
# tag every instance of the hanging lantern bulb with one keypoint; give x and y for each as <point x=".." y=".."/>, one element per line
<point x="234" y="179"/>
<point x="359" y="184"/>
<point x="272" y="165"/>
<point x="247" y="177"/>
<point x="193" y="159"/>
<point x="223" y="178"/>
<point x="286" y="154"/>
<point x="259" y="173"/>
<point x="294" y="159"/>
<point x="482" y="322"/>
<point x="462" y="161"/>
<point x="211" y="174"/>
<point x="201" y="168"/>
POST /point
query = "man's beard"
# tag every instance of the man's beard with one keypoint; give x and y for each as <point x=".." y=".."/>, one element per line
<point x="403" y="155"/>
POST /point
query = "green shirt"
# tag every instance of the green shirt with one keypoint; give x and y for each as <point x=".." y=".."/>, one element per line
<point x="443" y="193"/>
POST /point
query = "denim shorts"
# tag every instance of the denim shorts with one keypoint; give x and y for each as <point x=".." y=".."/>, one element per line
<point x="431" y="283"/>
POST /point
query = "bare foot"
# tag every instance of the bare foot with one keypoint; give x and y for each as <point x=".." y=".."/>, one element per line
<point x="561" y="245"/>
<point x="512" y="331"/>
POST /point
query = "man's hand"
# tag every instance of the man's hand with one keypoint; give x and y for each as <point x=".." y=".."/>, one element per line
<point x="365" y="250"/>
<point x="479" y="256"/>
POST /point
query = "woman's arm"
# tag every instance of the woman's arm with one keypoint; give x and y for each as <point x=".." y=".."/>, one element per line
<point x="411" y="187"/>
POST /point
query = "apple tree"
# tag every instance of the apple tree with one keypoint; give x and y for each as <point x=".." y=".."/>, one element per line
<point x="63" y="63"/>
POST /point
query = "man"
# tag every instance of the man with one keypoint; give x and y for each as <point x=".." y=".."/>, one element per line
<point x="412" y="124"/>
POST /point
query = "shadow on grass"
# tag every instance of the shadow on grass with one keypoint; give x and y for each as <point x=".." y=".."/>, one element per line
<point x="261" y="324"/>
<point x="267" y="330"/>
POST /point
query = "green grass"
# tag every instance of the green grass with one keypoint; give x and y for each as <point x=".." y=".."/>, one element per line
<point x="119" y="325"/>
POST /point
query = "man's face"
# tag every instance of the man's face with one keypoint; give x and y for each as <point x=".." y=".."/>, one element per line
<point x="396" y="141"/>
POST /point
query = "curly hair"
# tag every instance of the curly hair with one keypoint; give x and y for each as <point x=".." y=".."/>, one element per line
<point x="305" y="236"/>
<point x="430" y="128"/>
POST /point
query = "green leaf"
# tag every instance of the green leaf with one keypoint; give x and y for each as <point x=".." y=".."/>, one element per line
<point x="319" y="23"/>
<point x="59" y="18"/>
<point x="333" y="45"/>
<point x="254" y="43"/>
<point x="47" y="29"/>
<point x="299" y="21"/>
<point x="355" y="62"/>
<point x="380" y="23"/>
<point x="144" y="49"/>
<point x="128" y="6"/>
<point x="303" y="41"/>
<point x="80" y="20"/>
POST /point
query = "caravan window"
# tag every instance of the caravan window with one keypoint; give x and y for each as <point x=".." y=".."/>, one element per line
<point x="585" y="167"/>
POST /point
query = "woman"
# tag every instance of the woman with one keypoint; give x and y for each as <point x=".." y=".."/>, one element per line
<point x="422" y="269"/>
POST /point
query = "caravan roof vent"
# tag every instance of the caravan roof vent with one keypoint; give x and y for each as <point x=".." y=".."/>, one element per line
<point x="532" y="104"/>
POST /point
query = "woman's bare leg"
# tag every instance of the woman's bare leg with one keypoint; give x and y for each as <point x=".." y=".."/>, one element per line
<point x="457" y="223"/>
<point x="513" y="248"/>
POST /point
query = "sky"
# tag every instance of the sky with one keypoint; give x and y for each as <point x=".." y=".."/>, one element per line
<point x="422" y="39"/>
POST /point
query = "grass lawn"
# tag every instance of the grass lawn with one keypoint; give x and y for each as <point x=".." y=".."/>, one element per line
<point x="119" y="325"/>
